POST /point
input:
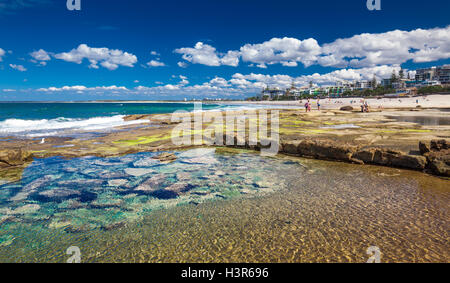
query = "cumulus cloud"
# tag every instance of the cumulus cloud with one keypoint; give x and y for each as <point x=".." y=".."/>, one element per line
<point x="360" y="51"/>
<point x="2" y="53"/>
<point x="110" y="59"/>
<point x="182" y="64"/>
<point x="155" y="63"/>
<point x="394" y="47"/>
<point x="83" y="88"/>
<point x="238" y="85"/>
<point x="207" y="55"/>
<point x="19" y="68"/>
<point x="286" y="51"/>
<point x="40" y="55"/>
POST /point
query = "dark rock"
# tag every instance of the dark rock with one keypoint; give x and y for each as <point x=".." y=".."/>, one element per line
<point x="326" y="150"/>
<point x="439" y="161"/>
<point x="290" y="147"/>
<point x="424" y="148"/>
<point x="166" y="157"/>
<point x="409" y="161"/>
<point x="365" y="156"/>
<point x="440" y="168"/>
<point x="438" y="145"/>
<point x="346" y="108"/>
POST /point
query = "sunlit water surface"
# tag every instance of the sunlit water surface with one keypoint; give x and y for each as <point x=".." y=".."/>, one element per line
<point x="222" y="206"/>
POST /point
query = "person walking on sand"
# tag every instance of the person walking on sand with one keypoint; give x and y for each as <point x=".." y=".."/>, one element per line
<point x="318" y="104"/>
<point x="306" y="106"/>
<point x="309" y="105"/>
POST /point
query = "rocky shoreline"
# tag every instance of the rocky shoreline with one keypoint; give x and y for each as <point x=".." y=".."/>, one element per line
<point x="359" y="138"/>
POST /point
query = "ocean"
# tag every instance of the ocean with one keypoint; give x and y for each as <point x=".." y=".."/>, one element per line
<point x="50" y="119"/>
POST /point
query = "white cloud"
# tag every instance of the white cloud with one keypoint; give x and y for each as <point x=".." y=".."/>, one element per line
<point x="182" y="64"/>
<point x="360" y="51"/>
<point x="207" y="55"/>
<point x="239" y="85"/>
<point x="154" y="53"/>
<point x="394" y="47"/>
<point x="18" y="67"/>
<point x="83" y="88"/>
<point x="110" y="59"/>
<point x="156" y="63"/>
<point x="286" y="51"/>
<point x="40" y="55"/>
<point x="2" y="53"/>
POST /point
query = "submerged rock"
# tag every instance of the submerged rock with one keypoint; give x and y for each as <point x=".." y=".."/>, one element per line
<point x="180" y="188"/>
<point x="183" y="176"/>
<point x="6" y="240"/>
<point x="197" y="152"/>
<point x="151" y="184"/>
<point x="81" y="183"/>
<point x="204" y="160"/>
<point x="117" y="182"/>
<point x="138" y="172"/>
<point x="26" y="209"/>
<point x="32" y="187"/>
<point x="60" y="194"/>
<point x="146" y="162"/>
<point x="166" y="157"/>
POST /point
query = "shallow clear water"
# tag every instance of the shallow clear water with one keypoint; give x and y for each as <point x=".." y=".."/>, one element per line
<point x="221" y="206"/>
<point x="428" y="120"/>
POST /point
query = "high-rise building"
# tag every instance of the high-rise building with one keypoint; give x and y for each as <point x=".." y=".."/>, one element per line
<point x="427" y="74"/>
<point x="443" y="74"/>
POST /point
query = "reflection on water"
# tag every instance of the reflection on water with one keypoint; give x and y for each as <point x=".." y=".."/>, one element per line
<point x="222" y="206"/>
<point x="424" y="120"/>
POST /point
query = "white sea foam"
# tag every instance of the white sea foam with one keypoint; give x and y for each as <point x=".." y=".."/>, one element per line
<point x="44" y="127"/>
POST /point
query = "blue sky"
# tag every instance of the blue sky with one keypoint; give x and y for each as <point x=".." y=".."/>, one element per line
<point x="209" y="48"/>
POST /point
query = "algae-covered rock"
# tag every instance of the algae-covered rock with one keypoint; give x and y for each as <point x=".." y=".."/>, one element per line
<point x="166" y="157"/>
<point x="14" y="157"/>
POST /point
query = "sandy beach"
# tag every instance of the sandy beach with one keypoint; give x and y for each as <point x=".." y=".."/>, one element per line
<point x="428" y="101"/>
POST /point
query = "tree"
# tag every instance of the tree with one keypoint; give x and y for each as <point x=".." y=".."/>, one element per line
<point x="310" y="84"/>
<point x="409" y="77"/>
<point x="374" y="81"/>
<point x="393" y="77"/>
<point x="401" y="74"/>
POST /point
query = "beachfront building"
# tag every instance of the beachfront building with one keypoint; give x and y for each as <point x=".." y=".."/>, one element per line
<point x="443" y="74"/>
<point x="426" y="74"/>
<point x="440" y="74"/>
<point x="271" y="93"/>
<point x="364" y="85"/>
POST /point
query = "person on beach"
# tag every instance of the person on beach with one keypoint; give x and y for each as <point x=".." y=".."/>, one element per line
<point x="318" y="104"/>
<point x="306" y="106"/>
<point x="309" y="106"/>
